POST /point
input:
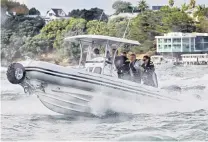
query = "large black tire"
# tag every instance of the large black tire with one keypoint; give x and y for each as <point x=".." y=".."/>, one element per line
<point x="16" y="73"/>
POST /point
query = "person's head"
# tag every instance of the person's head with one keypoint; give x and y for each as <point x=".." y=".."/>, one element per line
<point x="114" y="51"/>
<point x="96" y="51"/>
<point x="124" y="54"/>
<point x="132" y="57"/>
<point x="146" y="59"/>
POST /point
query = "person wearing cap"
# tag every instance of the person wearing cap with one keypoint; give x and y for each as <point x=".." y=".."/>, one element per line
<point x="135" y="68"/>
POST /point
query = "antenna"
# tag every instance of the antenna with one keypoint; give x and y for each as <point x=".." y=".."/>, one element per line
<point x="128" y="24"/>
<point x="99" y="20"/>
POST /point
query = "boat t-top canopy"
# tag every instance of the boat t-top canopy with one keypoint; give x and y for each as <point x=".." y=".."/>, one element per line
<point x="100" y="39"/>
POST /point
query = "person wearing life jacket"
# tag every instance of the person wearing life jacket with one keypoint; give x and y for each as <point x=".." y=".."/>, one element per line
<point x="124" y="54"/>
<point x="149" y="77"/>
<point x="122" y="64"/>
<point x="135" y="69"/>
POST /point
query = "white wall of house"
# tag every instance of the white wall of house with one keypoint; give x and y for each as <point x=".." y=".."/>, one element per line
<point x="61" y="13"/>
<point x="50" y="14"/>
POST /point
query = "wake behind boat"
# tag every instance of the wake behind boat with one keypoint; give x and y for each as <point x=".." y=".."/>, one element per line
<point x="70" y="90"/>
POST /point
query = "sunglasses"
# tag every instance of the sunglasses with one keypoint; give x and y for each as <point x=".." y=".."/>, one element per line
<point x="144" y="60"/>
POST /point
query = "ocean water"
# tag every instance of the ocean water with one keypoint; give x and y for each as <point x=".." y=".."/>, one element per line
<point x="25" y="118"/>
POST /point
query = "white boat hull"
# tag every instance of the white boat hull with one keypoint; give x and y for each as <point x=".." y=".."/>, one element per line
<point x="65" y="100"/>
<point x="70" y="91"/>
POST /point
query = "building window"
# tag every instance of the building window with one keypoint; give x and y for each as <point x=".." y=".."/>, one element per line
<point x="205" y="39"/>
<point x="160" y="40"/>
<point x="186" y="40"/>
<point x="50" y="14"/>
<point x="199" y="39"/>
<point x="160" y="46"/>
<point x="199" y="46"/>
<point x="206" y="46"/>
<point x="177" y="40"/>
<point x="167" y="40"/>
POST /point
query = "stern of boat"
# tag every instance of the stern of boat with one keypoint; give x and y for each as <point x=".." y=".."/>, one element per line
<point x="64" y="100"/>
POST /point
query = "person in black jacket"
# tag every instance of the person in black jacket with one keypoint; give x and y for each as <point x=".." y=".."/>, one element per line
<point x="122" y="65"/>
<point x="135" y="68"/>
<point x="148" y="72"/>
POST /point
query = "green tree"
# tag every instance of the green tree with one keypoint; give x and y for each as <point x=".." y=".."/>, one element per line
<point x="143" y="5"/>
<point x="36" y="46"/>
<point x="122" y="6"/>
<point x="88" y="15"/>
<point x="179" y="22"/>
<point x="13" y="6"/>
<point x="171" y="3"/>
<point x="145" y="27"/>
<point x="201" y="11"/>
<point x="57" y="30"/>
<point x="118" y="26"/>
<point x="203" y="25"/>
<point x="192" y="4"/>
<point x="15" y="31"/>
<point x="184" y="7"/>
<point x="34" y="11"/>
<point x="96" y="27"/>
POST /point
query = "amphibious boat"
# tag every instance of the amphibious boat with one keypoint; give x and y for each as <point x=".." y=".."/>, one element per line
<point x="70" y="90"/>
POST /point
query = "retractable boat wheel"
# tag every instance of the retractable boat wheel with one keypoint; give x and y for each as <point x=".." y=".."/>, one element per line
<point x="16" y="73"/>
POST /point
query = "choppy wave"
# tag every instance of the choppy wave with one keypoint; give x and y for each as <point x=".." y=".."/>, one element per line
<point x="3" y="69"/>
<point x="194" y="96"/>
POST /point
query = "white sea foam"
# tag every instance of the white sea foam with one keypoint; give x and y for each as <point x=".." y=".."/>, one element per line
<point x="190" y="101"/>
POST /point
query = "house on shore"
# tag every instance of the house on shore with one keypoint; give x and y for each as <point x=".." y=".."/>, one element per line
<point x="176" y="44"/>
<point x="55" y="14"/>
<point x="52" y="14"/>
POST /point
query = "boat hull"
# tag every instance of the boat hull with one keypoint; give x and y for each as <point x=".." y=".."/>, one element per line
<point x="65" y="100"/>
<point x="70" y="91"/>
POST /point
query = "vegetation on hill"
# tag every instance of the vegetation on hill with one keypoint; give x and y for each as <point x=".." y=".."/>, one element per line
<point x="14" y="34"/>
<point x="13" y="6"/>
<point x="88" y="15"/>
<point x="24" y="36"/>
<point x="34" y="11"/>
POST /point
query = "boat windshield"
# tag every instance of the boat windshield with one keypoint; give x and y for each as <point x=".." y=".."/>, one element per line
<point x="99" y="49"/>
<point x="96" y="53"/>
